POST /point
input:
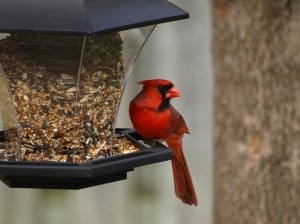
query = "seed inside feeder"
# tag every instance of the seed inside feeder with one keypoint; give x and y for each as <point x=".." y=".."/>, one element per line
<point x="65" y="115"/>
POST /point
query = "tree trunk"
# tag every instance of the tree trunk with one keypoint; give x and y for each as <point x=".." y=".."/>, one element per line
<point x="256" y="49"/>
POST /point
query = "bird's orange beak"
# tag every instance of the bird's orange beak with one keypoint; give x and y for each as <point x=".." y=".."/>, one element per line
<point x="173" y="92"/>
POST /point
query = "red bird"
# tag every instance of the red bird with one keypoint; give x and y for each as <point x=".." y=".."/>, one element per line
<point x="154" y="117"/>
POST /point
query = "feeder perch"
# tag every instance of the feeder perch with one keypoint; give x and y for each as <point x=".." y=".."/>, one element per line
<point x="63" y="69"/>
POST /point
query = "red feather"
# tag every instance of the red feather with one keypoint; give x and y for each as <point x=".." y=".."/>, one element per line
<point x="154" y="117"/>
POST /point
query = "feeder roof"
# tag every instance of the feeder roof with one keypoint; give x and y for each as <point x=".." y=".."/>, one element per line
<point x="84" y="16"/>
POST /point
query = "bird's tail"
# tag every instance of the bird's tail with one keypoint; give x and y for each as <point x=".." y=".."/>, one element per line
<point x="184" y="187"/>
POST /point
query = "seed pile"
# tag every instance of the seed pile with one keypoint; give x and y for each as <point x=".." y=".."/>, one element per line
<point x="63" y="117"/>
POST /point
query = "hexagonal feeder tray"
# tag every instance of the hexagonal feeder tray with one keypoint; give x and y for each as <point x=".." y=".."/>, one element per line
<point x="71" y="175"/>
<point x="63" y="69"/>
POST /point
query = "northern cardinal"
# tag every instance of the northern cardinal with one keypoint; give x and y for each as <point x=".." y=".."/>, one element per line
<point x="154" y="117"/>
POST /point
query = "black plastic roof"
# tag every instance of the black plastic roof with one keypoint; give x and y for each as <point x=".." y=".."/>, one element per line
<point x="84" y="16"/>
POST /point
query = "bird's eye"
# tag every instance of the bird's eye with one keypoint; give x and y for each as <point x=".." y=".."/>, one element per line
<point x="164" y="88"/>
<point x="160" y="87"/>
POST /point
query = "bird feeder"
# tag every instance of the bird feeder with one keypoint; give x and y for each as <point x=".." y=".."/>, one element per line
<point x="63" y="69"/>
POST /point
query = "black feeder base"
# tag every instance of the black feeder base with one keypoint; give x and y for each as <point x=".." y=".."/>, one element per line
<point x="55" y="175"/>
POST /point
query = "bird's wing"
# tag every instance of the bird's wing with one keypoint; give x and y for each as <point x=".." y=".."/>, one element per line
<point x="178" y="124"/>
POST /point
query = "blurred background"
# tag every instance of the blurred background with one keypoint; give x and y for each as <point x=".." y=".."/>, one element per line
<point x="179" y="51"/>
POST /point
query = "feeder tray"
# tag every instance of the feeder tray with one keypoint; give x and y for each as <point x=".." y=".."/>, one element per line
<point x="53" y="175"/>
<point x="63" y="68"/>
